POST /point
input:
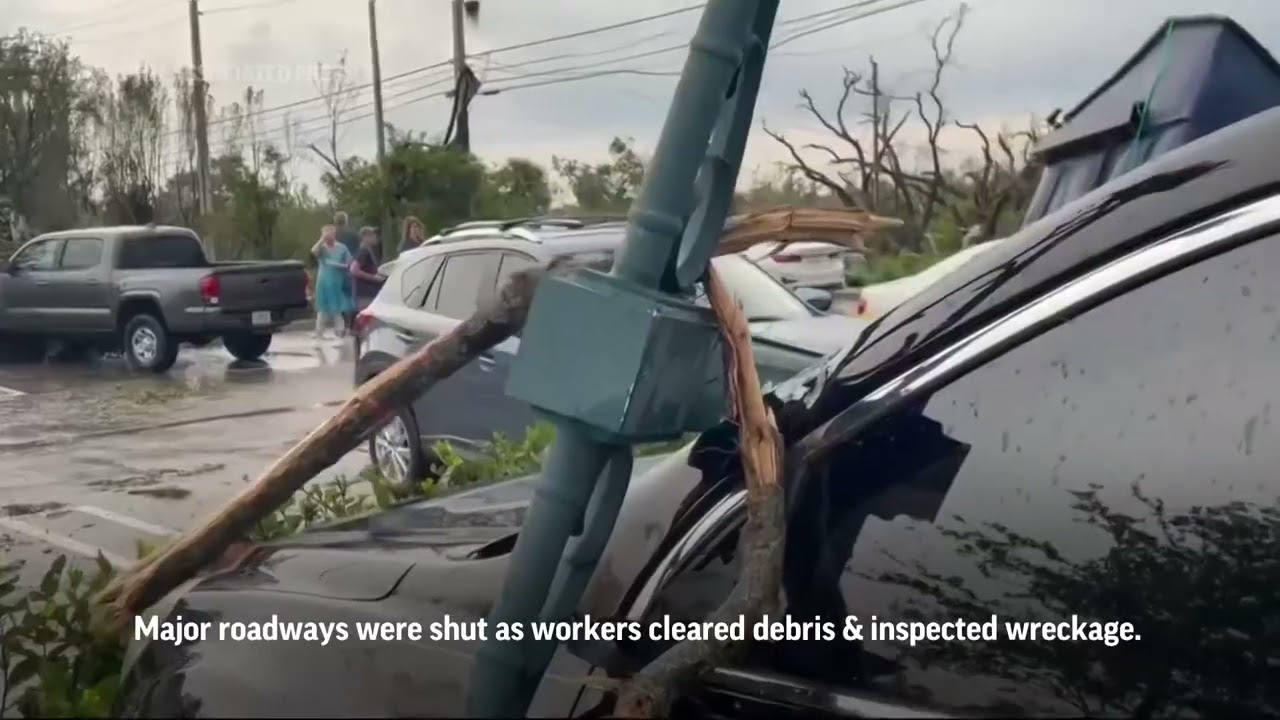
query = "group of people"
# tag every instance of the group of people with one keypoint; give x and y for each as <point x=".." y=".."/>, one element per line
<point x="347" y="278"/>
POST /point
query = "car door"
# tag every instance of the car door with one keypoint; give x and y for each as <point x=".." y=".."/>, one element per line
<point x="1100" y="469"/>
<point x="453" y="410"/>
<point x="511" y="417"/>
<point x="27" y="298"/>
<point x="80" y="295"/>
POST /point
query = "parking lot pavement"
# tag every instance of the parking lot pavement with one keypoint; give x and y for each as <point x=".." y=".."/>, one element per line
<point x="97" y="459"/>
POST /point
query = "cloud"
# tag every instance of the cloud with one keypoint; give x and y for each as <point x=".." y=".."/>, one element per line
<point x="1013" y="57"/>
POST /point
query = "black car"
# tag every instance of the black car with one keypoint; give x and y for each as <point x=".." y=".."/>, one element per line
<point x="1074" y="429"/>
<point x="431" y="289"/>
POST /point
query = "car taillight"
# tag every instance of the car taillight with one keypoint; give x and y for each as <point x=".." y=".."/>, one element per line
<point x="210" y="289"/>
<point x="363" y="320"/>
<point x="785" y="258"/>
<point x="861" y="308"/>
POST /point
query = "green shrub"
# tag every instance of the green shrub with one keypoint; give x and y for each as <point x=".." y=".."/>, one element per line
<point x="56" y="659"/>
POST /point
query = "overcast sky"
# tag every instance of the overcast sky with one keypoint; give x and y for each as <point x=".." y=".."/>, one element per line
<point x="1013" y="57"/>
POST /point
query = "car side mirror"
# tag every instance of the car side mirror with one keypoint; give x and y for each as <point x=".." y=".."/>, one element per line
<point x="820" y="300"/>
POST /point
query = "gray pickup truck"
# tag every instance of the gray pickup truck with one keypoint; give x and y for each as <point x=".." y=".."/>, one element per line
<point x="144" y="290"/>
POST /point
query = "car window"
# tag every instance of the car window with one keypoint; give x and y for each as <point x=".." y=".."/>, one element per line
<point x="42" y="255"/>
<point x="762" y="298"/>
<point x="81" y="254"/>
<point x="416" y="280"/>
<point x="512" y="263"/>
<point x="160" y="251"/>
<point x="459" y="285"/>
<point x="1118" y="468"/>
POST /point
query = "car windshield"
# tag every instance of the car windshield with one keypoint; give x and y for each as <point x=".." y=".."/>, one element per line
<point x="762" y="298"/>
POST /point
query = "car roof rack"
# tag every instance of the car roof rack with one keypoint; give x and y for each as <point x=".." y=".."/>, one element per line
<point x="540" y="221"/>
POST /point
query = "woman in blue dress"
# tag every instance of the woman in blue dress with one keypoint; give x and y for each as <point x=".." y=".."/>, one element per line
<point x="332" y="298"/>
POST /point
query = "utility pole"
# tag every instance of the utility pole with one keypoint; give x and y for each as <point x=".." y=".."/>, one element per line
<point x="377" y="85"/>
<point x="380" y="131"/>
<point x="462" y="131"/>
<point x="199" y="102"/>
<point x="875" y="135"/>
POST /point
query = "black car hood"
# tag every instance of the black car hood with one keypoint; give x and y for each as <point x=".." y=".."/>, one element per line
<point x="365" y="558"/>
<point x="820" y="334"/>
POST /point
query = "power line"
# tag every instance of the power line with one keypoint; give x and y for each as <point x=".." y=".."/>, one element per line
<point x="837" y="23"/>
<point x="152" y="27"/>
<point x="509" y="48"/>
<point x="76" y="27"/>
<point x="825" y="14"/>
<point x="246" y="6"/>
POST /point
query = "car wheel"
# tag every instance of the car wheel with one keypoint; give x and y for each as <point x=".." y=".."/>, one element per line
<point x="396" y="450"/>
<point x="247" y="346"/>
<point x="148" y="345"/>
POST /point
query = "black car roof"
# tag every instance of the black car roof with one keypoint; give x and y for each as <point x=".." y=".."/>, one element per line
<point x="1212" y="174"/>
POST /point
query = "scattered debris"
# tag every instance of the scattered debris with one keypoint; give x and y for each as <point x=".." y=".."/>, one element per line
<point x="15" y="509"/>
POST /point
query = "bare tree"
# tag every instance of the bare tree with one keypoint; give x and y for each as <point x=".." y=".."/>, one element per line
<point x="133" y="131"/>
<point x="339" y="91"/>
<point x="875" y="172"/>
<point x="183" y="188"/>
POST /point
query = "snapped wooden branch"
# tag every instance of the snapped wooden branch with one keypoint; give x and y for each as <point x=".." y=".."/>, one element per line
<point x="155" y="577"/>
<point x="651" y="691"/>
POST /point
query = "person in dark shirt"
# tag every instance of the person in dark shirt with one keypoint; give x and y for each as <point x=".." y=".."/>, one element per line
<point x="346" y="235"/>
<point x="364" y="268"/>
<point x="412" y="236"/>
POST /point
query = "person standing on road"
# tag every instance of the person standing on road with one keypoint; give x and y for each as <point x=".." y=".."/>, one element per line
<point x="413" y="235"/>
<point x="351" y="241"/>
<point x="346" y="235"/>
<point x="333" y="296"/>
<point x="364" y="268"/>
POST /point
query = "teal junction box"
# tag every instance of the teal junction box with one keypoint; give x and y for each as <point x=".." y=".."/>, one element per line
<point x="654" y="370"/>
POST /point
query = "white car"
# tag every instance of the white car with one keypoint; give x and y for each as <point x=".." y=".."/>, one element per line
<point x="876" y="300"/>
<point x="804" y="264"/>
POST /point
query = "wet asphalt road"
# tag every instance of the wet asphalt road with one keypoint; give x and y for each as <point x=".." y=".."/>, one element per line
<point x="96" y="458"/>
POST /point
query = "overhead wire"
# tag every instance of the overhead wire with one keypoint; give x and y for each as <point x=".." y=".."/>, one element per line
<point x="246" y="6"/>
<point x="115" y="8"/>
<point x="328" y="121"/>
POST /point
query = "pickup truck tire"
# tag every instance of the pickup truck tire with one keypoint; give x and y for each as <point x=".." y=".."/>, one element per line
<point x="148" y="344"/>
<point x="246" y="346"/>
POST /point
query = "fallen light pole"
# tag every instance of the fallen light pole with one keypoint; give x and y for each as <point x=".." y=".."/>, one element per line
<point x="660" y="374"/>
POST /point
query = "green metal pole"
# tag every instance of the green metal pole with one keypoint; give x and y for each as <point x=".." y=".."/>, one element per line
<point x="505" y="675"/>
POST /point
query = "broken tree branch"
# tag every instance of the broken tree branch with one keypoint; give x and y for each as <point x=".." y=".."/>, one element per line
<point x="155" y="577"/>
<point x="651" y="692"/>
<point x="413" y="375"/>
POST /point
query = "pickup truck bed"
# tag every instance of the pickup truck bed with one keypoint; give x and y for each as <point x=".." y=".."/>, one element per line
<point x="145" y="290"/>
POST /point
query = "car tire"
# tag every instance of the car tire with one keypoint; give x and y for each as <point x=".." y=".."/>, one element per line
<point x="148" y="345"/>
<point x="397" y="453"/>
<point x="247" y="346"/>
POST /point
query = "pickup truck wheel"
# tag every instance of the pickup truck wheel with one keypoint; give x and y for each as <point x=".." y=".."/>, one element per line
<point x="396" y="450"/>
<point x="148" y="345"/>
<point x="246" y="346"/>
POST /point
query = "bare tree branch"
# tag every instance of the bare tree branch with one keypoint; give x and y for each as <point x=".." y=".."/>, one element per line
<point x="339" y="94"/>
<point x="800" y="165"/>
